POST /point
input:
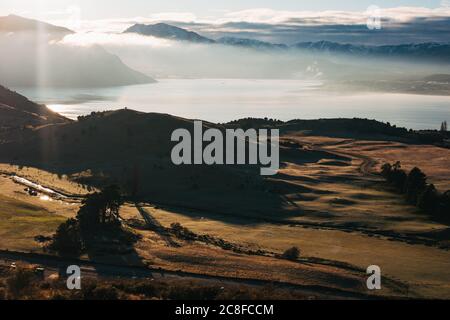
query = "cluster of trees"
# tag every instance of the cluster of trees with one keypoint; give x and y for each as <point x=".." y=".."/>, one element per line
<point x="98" y="214"/>
<point x="417" y="191"/>
<point x="247" y="123"/>
<point x="92" y="115"/>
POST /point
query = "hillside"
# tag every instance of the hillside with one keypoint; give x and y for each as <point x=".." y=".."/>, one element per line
<point x="17" y="111"/>
<point x="133" y="149"/>
<point x="346" y="128"/>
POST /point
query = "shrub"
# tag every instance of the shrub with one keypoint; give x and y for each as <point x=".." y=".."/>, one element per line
<point x="191" y="292"/>
<point x="95" y="291"/>
<point x="291" y="254"/>
<point x="182" y="232"/>
<point x="20" y="283"/>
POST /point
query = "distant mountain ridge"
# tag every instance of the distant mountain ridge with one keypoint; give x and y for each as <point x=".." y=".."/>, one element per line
<point x="167" y="31"/>
<point x="435" y="51"/>
<point x="440" y="78"/>
<point x="250" y="43"/>
<point x="13" y="23"/>
<point x="431" y="51"/>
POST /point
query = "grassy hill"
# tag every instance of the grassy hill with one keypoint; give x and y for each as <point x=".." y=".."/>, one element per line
<point x="133" y="149"/>
<point x="16" y="112"/>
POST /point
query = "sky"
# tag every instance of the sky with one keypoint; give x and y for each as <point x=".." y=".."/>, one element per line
<point x="113" y="9"/>
<point x="280" y="21"/>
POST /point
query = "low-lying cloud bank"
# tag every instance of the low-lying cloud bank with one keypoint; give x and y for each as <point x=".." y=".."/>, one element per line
<point x="163" y="58"/>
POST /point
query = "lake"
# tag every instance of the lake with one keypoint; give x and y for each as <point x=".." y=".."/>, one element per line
<point x="222" y="100"/>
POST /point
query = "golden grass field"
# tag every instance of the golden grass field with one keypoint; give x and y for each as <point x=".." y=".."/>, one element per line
<point x="20" y="222"/>
<point x="430" y="159"/>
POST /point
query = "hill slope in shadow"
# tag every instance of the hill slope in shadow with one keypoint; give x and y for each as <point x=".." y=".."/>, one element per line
<point x="17" y="111"/>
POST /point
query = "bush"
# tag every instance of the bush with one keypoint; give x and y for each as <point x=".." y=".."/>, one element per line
<point x="192" y="292"/>
<point x="20" y="283"/>
<point x="94" y="291"/>
<point x="182" y="232"/>
<point x="291" y="254"/>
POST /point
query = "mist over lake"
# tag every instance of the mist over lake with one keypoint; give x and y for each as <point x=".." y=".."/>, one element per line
<point x="222" y="100"/>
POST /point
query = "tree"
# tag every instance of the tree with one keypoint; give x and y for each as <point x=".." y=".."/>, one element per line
<point x="89" y="215"/>
<point x="415" y="185"/>
<point x="67" y="240"/>
<point x="428" y="200"/>
<point x="100" y="208"/>
<point x="98" y="212"/>
<point x="386" y="171"/>
<point x="112" y="202"/>
<point x="444" y="206"/>
<point x="398" y="176"/>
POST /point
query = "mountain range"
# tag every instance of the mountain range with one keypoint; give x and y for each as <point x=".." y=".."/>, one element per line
<point x="29" y="57"/>
<point x="439" y="52"/>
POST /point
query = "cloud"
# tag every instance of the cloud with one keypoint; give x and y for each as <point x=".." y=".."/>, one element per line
<point x="270" y="16"/>
<point x="259" y="15"/>
<point x="399" y="25"/>
<point x="173" y="16"/>
<point x="85" y="39"/>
